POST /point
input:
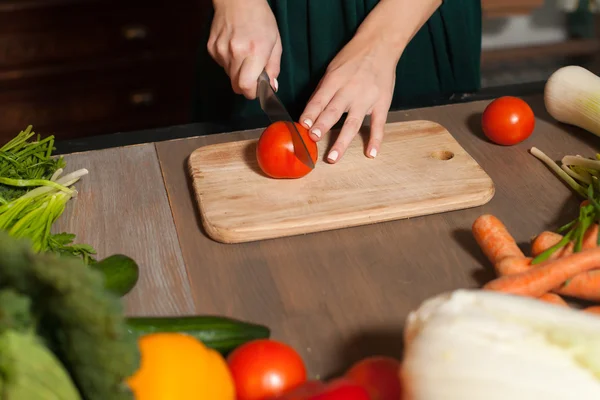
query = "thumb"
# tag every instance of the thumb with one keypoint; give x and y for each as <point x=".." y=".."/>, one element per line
<point x="273" y="66"/>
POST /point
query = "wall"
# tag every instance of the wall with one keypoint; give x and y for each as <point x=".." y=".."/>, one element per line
<point x="545" y="25"/>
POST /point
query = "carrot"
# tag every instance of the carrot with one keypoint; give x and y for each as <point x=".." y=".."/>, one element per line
<point x="547" y="239"/>
<point x="593" y="310"/>
<point x="584" y="203"/>
<point x="513" y="265"/>
<point x="494" y="240"/>
<point x="590" y="238"/>
<point x="546" y="276"/>
<point x="584" y="286"/>
<point x="554" y="299"/>
<point x="544" y="241"/>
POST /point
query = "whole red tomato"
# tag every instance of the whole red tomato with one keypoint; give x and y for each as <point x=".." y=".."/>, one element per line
<point x="265" y="368"/>
<point x="275" y="152"/>
<point x="507" y="121"/>
<point x="337" y="389"/>
<point x="379" y="375"/>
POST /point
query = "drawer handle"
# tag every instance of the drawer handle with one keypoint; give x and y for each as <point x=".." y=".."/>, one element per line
<point x="142" y="98"/>
<point x="135" y="32"/>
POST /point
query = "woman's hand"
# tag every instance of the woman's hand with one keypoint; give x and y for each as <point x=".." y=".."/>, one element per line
<point x="360" y="81"/>
<point x="244" y="40"/>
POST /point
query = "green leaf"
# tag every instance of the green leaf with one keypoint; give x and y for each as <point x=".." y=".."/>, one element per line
<point x="62" y="239"/>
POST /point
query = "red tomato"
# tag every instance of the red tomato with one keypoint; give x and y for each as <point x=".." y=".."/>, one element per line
<point x="337" y="389"/>
<point x="507" y="121"/>
<point x="302" y="392"/>
<point x="265" y="368"/>
<point x="379" y="375"/>
<point x="275" y="152"/>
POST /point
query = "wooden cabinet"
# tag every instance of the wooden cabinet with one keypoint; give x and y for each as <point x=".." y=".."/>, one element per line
<point x="503" y="8"/>
<point x="82" y="67"/>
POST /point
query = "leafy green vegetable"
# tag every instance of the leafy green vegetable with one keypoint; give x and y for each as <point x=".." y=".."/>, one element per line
<point x="29" y="370"/>
<point x="62" y="244"/>
<point x="28" y="160"/>
<point x="33" y="194"/>
<point x="65" y="307"/>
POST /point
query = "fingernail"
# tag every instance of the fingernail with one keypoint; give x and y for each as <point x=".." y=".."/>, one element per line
<point x="316" y="132"/>
<point x="276" y="84"/>
<point x="308" y="123"/>
<point x="333" y="155"/>
<point x="373" y="152"/>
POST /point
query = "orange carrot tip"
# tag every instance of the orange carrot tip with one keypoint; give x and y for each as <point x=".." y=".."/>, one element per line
<point x="544" y="241"/>
<point x="494" y="239"/>
<point x="553" y="299"/>
<point x="592" y="310"/>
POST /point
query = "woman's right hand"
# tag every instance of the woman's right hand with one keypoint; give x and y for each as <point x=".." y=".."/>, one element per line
<point x="244" y="40"/>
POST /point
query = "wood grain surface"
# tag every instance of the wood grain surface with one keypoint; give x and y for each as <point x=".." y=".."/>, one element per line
<point x="422" y="170"/>
<point x="341" y="295"/>
<point x="122" y="207"/>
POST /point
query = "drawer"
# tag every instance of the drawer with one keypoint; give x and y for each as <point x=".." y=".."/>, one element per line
<point x="100" y="103"/>
<point x="84" y="31"/>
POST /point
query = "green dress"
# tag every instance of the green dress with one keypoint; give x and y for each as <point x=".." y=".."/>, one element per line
<point x="443" y="57"/>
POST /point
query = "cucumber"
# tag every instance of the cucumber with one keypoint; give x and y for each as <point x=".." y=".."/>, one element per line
<point x="219" y="333"/>
<point x="120" y="272"/>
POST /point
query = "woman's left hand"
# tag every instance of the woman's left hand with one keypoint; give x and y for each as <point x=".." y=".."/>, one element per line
<point x="360" y="81"/>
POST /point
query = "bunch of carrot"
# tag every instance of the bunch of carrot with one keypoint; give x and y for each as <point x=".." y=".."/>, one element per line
<point x="559" y="266"/>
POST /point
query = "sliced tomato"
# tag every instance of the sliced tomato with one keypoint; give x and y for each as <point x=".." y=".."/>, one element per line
<point x="275" y="152"/>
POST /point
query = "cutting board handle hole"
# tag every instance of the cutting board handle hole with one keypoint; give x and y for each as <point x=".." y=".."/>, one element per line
<point x="443" y="155"/>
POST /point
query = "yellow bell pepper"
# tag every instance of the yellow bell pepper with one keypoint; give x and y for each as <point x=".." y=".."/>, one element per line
<point x="176" y="366"/>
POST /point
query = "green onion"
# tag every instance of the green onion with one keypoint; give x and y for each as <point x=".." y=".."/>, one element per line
<point x="33" y="195"/>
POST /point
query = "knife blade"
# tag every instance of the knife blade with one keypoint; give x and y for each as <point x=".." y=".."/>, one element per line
<point x="276" y="111"/>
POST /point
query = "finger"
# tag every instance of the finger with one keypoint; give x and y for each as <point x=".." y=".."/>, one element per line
<point x="351" y="127"/>
<point x="274" y="64"/>
<point x="315" y="106"/>
<point x="250" y="70"/>
<point x="330" y="115"/>
<point x="218" y="50"/>
<point x="234" y="74"/>
<point x="378" y="120"/>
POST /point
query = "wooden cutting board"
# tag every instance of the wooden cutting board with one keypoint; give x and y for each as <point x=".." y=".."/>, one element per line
<point x="421" y="169"/>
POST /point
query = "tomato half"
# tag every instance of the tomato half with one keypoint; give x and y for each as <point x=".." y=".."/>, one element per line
<point x="507" y="121"/>
<point x="265" y="368"/>
<point x="379" y="375"/>
<point x="275" y="152"/>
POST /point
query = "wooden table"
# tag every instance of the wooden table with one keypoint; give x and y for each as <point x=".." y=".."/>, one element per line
<point x="335" y="296"/>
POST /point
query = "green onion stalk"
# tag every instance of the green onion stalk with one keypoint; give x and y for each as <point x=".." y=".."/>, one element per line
<point x="32" y="215"/>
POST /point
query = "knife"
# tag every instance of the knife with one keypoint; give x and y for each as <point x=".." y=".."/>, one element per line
<point x="276" y="111"/>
